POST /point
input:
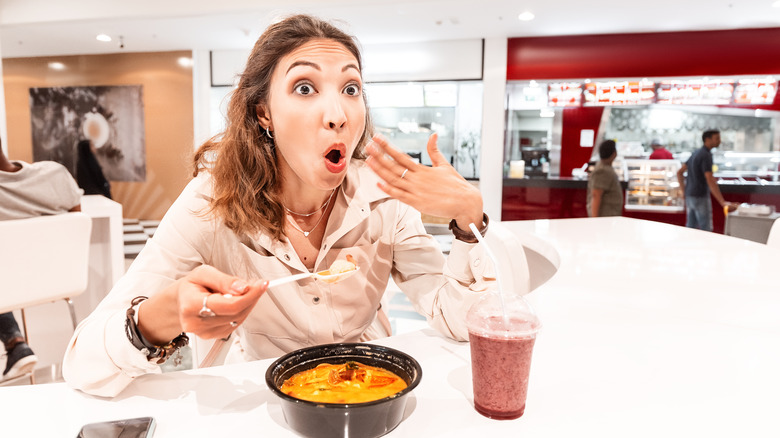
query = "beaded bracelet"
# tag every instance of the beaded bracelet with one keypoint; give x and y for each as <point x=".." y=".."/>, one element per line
<point x="158" y="354"/>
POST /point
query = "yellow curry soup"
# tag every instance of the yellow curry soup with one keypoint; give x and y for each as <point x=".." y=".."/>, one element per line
<point x="351" y="382"/>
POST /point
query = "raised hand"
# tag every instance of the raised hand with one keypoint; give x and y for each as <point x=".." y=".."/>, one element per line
<point x="438" y="190"/>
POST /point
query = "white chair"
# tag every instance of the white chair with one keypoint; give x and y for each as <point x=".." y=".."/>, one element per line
<point x="43" y="259"/>
<point x="773" y="239"/>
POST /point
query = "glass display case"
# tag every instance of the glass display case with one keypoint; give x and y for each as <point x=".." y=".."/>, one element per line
<point x="745" y="167"/>
<point x="653" y="186"/>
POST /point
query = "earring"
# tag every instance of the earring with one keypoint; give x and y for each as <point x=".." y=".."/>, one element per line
<point x="268" y="133"/>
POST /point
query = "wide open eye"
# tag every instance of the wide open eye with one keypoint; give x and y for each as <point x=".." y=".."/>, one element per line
<point x="352" y="90"/>
<point x="304" y="89"/>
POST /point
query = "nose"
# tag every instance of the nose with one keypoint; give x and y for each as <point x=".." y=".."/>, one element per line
<point x="334" y="115"/>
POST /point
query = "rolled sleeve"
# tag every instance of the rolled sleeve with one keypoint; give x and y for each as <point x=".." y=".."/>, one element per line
<point x="105" y="372"/>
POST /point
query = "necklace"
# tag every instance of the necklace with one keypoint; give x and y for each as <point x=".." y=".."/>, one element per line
<point x="306" y="233"/>
<point x="312" y="213"/>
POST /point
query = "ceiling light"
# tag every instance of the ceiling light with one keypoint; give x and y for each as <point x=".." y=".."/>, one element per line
<point x="185" y="61"/>
<point x="56" y="66"/>
<point x="103" y="37"/>
<point x="528" y="16"/>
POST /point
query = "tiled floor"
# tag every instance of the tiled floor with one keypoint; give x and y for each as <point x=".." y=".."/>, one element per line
<point x="136" y="232"/>
<point x="403" y="317"/>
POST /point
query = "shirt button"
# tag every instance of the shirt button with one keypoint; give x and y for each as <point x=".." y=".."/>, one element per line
<point x="315" y="300"/>
<point x="287" y="257"/>
<point x="476" y="262"/>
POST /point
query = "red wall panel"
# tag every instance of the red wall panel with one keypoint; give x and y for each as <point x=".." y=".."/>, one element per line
<point x="574" y="120"/>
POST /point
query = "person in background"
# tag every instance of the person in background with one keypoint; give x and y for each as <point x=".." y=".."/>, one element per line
<point x="287" y="189"/>
<point x="605" y="196"/>
<point x="89" y="174"/>
<point x="699" y="183"/>
<point x="659" y="151"/>
<point x="29" y="190"/>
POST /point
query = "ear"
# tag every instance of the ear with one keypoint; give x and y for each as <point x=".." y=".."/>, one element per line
<point x="263" y="116"/>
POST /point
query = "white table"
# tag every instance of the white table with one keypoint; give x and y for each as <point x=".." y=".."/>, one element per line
<point x="649" y="330"/>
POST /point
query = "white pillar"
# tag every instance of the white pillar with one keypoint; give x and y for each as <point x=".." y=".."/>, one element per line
<point x="201" y="95"/>
<point x="491" y="171"/>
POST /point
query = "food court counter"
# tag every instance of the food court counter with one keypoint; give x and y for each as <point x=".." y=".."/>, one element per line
<point x="566" y="197"/>
<point x="648" y="330"/>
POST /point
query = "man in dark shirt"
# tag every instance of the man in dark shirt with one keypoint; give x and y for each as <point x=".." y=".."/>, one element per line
<point x="699" y="183"/>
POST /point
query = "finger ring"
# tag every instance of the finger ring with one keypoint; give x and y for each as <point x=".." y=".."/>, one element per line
<point x="233" y="324"/>
<point x="404" y="173"/>
<point x="205" y="312"/>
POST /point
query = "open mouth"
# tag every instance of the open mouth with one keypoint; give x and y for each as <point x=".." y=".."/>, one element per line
<point x="334" y="156"/>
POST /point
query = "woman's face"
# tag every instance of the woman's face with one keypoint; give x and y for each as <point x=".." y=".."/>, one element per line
<point x="316" y="113"/>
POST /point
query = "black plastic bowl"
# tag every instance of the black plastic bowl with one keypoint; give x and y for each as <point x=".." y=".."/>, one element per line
<point x="328" y="420"/>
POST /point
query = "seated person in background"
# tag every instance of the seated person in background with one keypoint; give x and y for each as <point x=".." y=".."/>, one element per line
<point x="29" y="190"/>
<point x="89" y="174"/>
<point x="659" y="151"/>
<point x="287" y="189"/>
<point x="605" y="197"/>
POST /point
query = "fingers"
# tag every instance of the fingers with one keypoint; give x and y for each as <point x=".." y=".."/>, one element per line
<point x="437" y="158"/>
<point x="392" y="171"/>
<point x="387" y="169"/>
<point x="231" y="305"/>
<point x="216" y="281"/>
<point x="404" y="161"/>
<point x="212" y="304"/>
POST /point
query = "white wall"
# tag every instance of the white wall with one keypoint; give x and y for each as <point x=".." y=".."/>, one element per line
<point x="423" y="61"/>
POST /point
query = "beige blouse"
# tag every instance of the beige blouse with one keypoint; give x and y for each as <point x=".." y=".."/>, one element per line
<point x="385" y="236"/>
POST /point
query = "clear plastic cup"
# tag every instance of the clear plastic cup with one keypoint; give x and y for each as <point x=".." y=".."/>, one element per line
<point x="501" y="348"/>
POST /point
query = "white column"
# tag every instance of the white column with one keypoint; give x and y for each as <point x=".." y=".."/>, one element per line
<point x="201" y="95"/>
<point x="491" y="169"/>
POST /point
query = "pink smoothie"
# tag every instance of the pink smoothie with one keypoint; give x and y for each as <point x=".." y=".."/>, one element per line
<point x="500" y="366"/>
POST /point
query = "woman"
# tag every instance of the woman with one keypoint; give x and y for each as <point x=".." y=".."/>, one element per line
<point x="286" y="190"/>
<point x="89" y="174"/>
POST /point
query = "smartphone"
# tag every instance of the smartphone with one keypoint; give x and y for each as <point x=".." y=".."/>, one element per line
<point x="142" y="427"/>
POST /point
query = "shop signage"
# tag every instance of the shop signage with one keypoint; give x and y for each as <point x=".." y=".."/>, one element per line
<point x="755" y="92"/>
<point x="695" y="92"/>
<point x="707" y="91"/>
<point x="562" y="94"/>
<point x="619" y="93"/>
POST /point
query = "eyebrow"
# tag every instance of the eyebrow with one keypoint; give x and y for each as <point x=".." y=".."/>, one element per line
<point x="317" y="67"/>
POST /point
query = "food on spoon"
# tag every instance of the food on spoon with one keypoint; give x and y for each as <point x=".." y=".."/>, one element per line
<point x="350" y="382"/>
<point x="339" y="267"/>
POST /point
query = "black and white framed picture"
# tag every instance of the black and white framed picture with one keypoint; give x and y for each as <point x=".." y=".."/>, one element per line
<point x="110" y="117"/>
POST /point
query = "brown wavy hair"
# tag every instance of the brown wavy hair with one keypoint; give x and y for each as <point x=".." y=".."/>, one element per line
<point x="242" y="160"/>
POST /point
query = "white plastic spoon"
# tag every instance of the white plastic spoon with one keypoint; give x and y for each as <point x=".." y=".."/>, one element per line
<point x="324" y="276"/>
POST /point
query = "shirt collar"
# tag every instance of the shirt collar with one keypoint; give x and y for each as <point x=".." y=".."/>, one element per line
<point x="353" y="202"/>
